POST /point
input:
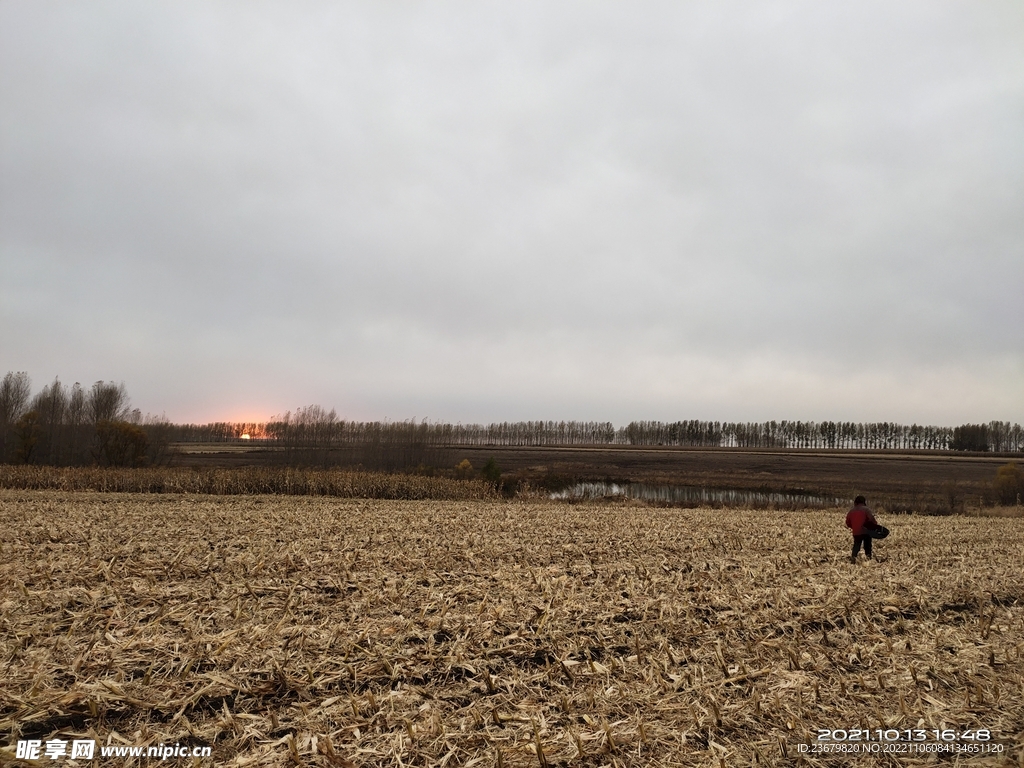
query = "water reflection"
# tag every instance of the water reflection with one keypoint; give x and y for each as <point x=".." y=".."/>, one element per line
<point x="683" y="494"/>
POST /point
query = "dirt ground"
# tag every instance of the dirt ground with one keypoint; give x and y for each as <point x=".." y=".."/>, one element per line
<point x="921" y="481"/>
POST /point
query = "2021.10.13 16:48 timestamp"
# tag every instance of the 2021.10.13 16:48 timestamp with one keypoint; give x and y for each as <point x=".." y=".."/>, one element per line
<point x="952" y="735"/>
<point x="909" y="740"/>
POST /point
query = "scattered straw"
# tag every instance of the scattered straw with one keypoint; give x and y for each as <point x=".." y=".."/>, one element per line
<point x="318" y="631"/>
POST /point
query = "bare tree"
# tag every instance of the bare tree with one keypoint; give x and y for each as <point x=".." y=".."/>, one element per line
<point x="27" y="431"/>
<point x="50" y="406"/>
<point x="15" y="391"/>
<point x="77" y="425"/>
<point x="121" y="444"/>
<point x="107" y="401"/>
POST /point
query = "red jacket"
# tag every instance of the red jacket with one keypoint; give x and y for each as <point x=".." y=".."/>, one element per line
<point x="860" y="520"/>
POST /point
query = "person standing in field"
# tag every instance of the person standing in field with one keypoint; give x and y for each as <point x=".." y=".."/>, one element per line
<point x="860" y="521"/>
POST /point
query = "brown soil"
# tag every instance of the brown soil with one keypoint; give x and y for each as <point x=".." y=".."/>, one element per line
<point x="918" y="481"/>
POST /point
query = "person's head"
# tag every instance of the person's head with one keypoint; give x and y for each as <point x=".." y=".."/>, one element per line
<point x="860" y="501"/>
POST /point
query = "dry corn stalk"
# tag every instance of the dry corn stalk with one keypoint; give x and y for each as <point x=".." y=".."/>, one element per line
<point x="322" y="631"/>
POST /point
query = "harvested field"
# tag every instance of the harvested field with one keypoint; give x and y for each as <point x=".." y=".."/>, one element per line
<point x="322" y="631"/>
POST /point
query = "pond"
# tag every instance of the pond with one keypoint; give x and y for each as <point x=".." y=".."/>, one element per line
<point x="694" y="495"/>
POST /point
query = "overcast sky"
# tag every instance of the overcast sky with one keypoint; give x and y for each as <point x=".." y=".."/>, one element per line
<point x="472" y="211"/>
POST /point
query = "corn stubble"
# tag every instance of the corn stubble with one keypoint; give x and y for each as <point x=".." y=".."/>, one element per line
<point x="320" y="631"/>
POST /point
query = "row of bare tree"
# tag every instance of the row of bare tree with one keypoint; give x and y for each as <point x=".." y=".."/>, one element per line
<point x="995" y="436"/>
<point x="62" y="425"/>
<point x="315" y="426"/>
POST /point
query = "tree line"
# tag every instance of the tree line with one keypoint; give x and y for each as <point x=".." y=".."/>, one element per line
<point x="68" y="426"/>
<point x="1000" y="436"/>
<point x="315" y="426"/>
<point x="62" y="426"/>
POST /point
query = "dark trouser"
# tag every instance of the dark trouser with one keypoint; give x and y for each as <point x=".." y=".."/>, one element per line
<point x="857" y="541"/>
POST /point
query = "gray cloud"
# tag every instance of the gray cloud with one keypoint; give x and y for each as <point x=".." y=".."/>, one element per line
<point x="542" y="210"/>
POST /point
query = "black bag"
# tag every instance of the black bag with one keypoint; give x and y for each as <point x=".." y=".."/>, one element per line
<point x="878" y="533"/>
